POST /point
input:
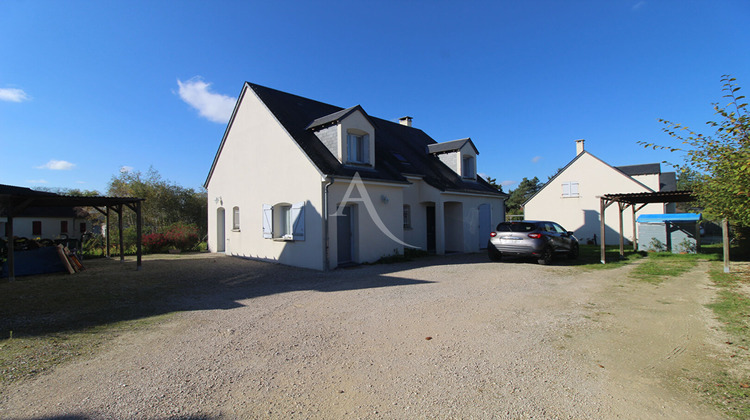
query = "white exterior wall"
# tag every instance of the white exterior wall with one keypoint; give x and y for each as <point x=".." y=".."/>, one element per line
<point x="370" y="242"/>
<point x="581" y="214"/>
<point x="472" y="240"/>
<point x="261" y="164"/>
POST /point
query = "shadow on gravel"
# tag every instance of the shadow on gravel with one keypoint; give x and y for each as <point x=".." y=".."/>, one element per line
<point x="83" y="417"/>
<point x="109" y="291"/>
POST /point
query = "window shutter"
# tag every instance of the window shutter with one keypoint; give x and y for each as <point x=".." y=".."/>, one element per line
<point x="366" y="148"/>
<point x="267" y="221"/>
<point x="574" y="189"/>
<point x="298" y="221"/>
<point x="566" y="189"/>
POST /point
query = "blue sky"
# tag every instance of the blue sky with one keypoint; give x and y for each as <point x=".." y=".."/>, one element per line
<point x="89" y="88"/>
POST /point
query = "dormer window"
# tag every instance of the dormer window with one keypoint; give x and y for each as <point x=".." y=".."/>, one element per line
<point x="468" y="167"/>
<point x="358" y="147"/>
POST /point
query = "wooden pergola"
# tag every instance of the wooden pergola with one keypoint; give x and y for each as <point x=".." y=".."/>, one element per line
<point x="14" y="200"/>
<point x="636" y="201"/>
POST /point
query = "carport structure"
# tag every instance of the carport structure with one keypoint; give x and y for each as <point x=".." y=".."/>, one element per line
<point x="636" y="201"/>
<point x="14" y="200"/>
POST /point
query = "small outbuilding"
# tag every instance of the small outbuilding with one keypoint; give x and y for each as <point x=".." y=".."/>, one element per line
<point x="676" y="232"/>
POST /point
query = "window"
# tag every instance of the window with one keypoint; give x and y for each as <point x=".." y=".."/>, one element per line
<point x="236" y="218"/>
<point x="284" y="221"/>
<point x="570" y="189"/>
<point x="358" y="148"/>
<point x="407" y="216"/>
<point x="63" y="226"/>
<point x="467" y="167"/>
<point x="36" y="228"/>
<point x="82" y="227"/>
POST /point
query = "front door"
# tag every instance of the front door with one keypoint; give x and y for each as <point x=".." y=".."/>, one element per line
<point x="344" y="235"/>
<point x="220" y="232"/>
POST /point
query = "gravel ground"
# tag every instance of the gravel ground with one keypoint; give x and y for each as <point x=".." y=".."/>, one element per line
<point x="442" y="337"/>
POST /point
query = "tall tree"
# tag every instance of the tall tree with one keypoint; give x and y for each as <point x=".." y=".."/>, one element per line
<point x="165" y="202"/>
<point x="526" y="188"/>
<point x="719" y="163"/>
<point x="493" y="183"/>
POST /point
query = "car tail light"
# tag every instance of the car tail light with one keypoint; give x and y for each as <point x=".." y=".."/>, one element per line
<point x="535" y="235"/>
<point x="493" y="234"/>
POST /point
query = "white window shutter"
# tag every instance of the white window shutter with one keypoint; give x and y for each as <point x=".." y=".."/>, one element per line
<point x="267" y="221"/>
<point x="298" y="221"/>
<point x="574" y="189"/>
<point x="566" y="189"/>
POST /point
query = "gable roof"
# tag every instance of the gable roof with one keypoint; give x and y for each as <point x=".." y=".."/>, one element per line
<point x="450" y="146"/>
<point x="585" y="152"/>
<point x="399" y="149"/>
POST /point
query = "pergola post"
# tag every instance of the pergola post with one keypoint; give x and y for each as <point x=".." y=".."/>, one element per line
<point x="602" y="207"/>
<point x="109" y="232"/>
<point x="119" y="226"/>
<point x="11" y="250"/>
<point x="138" y="234"/>
<point x="621" y="208"/>
<point x="635" y="235"/>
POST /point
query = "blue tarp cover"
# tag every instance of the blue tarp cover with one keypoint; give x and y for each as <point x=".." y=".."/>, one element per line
<point x="669" y="217"/>
<point x="36" y="261"/>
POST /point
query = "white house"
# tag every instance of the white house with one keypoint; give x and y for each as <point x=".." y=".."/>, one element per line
<point x="48" y="223"/>
<point x="571" y="197"/>
<point x="313" y="185"/>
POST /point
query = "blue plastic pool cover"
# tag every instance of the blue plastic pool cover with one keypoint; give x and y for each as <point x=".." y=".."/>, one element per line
<point x="669" y="217"/>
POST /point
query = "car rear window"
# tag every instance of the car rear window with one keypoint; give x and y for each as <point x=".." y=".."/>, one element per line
<point x="516" y="227"/>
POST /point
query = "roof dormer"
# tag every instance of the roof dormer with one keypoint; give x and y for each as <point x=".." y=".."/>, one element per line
<point x="348" y="134"/>
<point x="459" y="155"/>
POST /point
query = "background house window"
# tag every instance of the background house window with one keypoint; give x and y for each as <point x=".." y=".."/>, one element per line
<point x="570" y="189"/>
<point x="82" y="227"/>
<point x="407" y="216"/>
<point x="467" y="167"/>
<point x="236" y="218"/>
<point x="358" y="148"/>
<point x="36" y="228"/>
<point x="63" y="226"/>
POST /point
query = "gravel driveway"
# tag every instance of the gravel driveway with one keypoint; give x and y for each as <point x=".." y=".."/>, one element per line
<point x="442" y="337"/>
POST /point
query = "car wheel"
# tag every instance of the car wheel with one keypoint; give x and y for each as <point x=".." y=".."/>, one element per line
<point x="573" y="254"/>
<point x="546" y="256"/>
<point x="493" y="253"/>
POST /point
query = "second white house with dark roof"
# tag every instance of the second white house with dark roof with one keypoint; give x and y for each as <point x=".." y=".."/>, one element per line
<point x="309" y="184"/>
<point x="571" y="198"/>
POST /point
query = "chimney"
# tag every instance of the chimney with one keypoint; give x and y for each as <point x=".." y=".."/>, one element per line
<point x="579" y="146"/>
<point x="405" y="121"/>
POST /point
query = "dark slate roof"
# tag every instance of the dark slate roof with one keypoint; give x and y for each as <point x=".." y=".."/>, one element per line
<point x="450" y="146"/>
<point x="644" y="169"/>
<point x="399" y="149"/>
<point x="667" y="181"/>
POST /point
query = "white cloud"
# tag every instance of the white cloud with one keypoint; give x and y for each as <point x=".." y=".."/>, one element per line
<point x="213" y="106"/>
<point x="126" y="169"/>
<point x="13" y="95"/>
<point x="638" y="5"/>
<point x="536" y="159"/>
<point x="508" y="183"/>
<point x="57" y="165"/>
<point x="37" y="181"/>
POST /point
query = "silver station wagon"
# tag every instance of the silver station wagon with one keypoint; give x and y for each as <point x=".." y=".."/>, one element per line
<point x="532" y="238"/>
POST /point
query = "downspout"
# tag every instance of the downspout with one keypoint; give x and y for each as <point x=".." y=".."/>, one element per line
<point x="326" y="245"/>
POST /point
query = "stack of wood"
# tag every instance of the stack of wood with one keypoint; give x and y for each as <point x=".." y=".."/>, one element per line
<point x="69" y="260"/>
